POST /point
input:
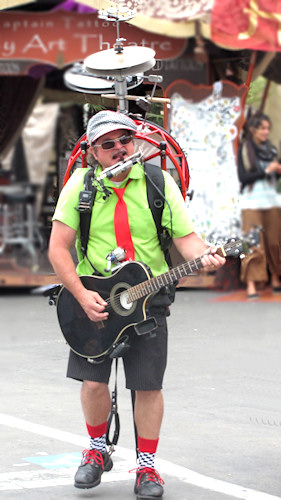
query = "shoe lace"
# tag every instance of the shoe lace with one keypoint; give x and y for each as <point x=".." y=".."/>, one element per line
<point x="152" y="474"/>
<point x="90" y="456"/>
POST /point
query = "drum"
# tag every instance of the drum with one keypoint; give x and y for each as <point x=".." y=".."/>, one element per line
<point x="156" y="146"/>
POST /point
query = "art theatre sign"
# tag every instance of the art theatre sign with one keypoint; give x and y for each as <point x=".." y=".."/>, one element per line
<point x="61" y="38"/>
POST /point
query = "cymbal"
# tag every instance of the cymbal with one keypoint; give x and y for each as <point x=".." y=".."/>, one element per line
<point x="130" y="61"/>
<point x="79" y="80"/>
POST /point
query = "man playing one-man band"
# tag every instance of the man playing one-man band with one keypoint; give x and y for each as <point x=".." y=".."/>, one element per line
<point x="111" y="140"/>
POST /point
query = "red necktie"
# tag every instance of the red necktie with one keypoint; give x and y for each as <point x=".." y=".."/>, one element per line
<point x="121" y="225"/>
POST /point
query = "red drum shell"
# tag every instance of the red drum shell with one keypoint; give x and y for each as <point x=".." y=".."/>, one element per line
<point x="157" y="146"/>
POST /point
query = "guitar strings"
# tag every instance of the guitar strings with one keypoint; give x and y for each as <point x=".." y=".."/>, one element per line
<point x="183" y="266"/>
<point x="115" y="299"/>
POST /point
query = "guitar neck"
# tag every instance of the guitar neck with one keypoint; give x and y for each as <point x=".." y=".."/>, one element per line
<point x="168" y="278"/>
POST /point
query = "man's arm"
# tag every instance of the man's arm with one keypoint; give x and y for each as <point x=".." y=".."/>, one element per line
<point x="62" y="237"/>
<point x="192" y="246"/>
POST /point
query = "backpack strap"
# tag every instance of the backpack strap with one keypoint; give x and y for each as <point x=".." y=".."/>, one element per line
<point x="85" y="206"/>
<point x="155" y="188"/>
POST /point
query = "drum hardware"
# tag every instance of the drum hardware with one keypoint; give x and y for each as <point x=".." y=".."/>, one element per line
<point x="109" y="73"/>
<point x="155" y="80"/>
<point x="106" y="70"/>
<point x="163" y="149"/>
<point x="117" y="14"/>
<point x="121" y="61"/>
<point x="190" y="194"/>
<point x="120" y="65"/>
<point x="84" y="147"/>
<point x="143" y="102"/>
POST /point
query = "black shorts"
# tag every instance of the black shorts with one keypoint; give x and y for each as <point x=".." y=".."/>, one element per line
<point x="144" y="362"/>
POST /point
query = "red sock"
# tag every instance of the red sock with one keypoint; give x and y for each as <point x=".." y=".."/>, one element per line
<point x="97" y="430"/>
<point x="146" y="452"/>
<point x="147" y="445"/>
<point x="97" y="435"/>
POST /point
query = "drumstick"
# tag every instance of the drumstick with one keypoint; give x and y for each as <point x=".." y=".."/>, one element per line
<point x="136" y="97"/>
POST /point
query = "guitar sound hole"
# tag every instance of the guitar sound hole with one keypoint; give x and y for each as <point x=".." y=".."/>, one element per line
<point x="119" y="300"/>
<point x="124" y="300"/>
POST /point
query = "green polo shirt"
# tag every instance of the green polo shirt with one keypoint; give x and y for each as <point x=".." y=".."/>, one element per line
<point x="143" y="231"/>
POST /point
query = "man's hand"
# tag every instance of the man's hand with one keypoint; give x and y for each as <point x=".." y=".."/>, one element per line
<point x="211" y="260"/>
<point x="62" y="237"/>
<point x="93" y="305"/>
<point x="192" y="246"/>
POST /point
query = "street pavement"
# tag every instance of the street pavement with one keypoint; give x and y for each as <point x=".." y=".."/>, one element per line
<point x="221" y="433"/>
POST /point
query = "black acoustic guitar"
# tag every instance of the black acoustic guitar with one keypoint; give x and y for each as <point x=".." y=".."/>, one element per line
<point x="126" y="293"/>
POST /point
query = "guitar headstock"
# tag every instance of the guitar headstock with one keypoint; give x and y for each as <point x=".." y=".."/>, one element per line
<point x="241" y="246"/>
<point x="252" y="239"/>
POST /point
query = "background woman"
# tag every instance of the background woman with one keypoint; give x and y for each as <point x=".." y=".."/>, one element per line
<point x="258" y="171"/>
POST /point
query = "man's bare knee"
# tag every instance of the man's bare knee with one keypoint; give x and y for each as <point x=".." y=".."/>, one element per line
<point x="94" y="389"/>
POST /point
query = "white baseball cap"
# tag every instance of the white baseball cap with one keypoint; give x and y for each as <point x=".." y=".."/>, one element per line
<point x="107" y="121"/>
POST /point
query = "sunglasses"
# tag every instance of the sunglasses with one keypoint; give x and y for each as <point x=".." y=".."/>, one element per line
<point x="110" y="144"/>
